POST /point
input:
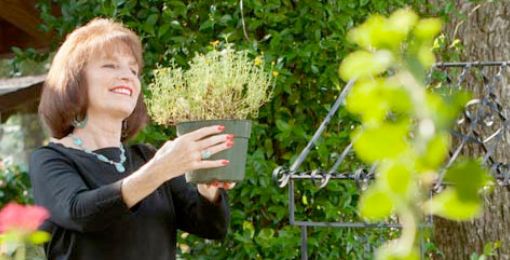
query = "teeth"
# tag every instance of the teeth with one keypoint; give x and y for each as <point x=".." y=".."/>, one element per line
<point x="122" y="91"/>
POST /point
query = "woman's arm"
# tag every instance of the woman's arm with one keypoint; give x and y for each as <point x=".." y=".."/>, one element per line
<point x="195" y="213"/>
<point x="59" y="187"/>
<point x="173" y="159"/>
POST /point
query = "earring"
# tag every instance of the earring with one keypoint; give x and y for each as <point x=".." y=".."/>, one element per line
<point x="80" y="124"/>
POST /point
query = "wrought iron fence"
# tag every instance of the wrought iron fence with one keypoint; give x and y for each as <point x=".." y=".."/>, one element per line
<point x="481" y="130"/>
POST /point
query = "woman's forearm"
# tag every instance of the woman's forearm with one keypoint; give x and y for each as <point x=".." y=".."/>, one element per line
<point x="141" y="183"/>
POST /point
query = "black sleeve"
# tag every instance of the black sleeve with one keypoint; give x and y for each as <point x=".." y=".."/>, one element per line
<point x="58" y="187"/>
<point x="196" y="214"/>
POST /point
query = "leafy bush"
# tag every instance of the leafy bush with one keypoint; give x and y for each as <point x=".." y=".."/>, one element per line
<point x="14" y="185"/>
<point x="305" y="41"/>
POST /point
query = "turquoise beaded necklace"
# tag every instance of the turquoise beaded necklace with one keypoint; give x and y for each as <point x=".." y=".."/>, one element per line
<point x="119" y="166"/>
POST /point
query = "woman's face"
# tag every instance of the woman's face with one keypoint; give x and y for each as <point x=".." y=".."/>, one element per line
<point x="113" y="83"/>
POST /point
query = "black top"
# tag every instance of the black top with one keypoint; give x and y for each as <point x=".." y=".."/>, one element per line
<point x="89" y="219"/>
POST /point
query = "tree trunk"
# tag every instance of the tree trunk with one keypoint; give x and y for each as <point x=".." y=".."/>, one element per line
<point x="485" y="35"/>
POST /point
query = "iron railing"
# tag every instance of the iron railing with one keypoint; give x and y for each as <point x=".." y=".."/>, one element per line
<point x="482" y="125"/>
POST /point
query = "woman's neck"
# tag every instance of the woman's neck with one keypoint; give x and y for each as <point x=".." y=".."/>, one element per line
<point x="99" y="132"/>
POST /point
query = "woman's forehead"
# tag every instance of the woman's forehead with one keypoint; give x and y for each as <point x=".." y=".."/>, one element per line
<point x="114" y="51"/>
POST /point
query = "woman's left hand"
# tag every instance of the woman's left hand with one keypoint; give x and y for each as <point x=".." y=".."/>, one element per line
<point x="211" y="190"/>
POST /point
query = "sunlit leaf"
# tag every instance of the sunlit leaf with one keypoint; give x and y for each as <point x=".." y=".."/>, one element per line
<point x="396" y="176"/>
<point x="304" y="200"/>
<point x="400" y="23"/>
<point x="435" y="153"/>
<point x="467" y="177"/>
<point x="39" y="237"/>
<point x="428" y="28"/>
<point x="445" y="113"/>
<point x="360" y="64"/>
<point x="385" y="141"/>
<point x="375" y="204"/>
<point x="248" y="228"/>
<point x="448" y="205"/>
<point x="426" y="56"/>
<point x="404" y="19"/>
<point x="392" y="251"/>
<point x="364" y="99"/>
<point x="366" y="34"/>
<point x="374" y="98"/>
<point x="378" y="32"/>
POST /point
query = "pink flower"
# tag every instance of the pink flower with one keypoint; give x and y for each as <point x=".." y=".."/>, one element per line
<point x="25" y="218"/>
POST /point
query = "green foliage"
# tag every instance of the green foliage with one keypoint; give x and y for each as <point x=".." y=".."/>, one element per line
<point x="304" y="41"/>
<point x="409" y="143"/>
<point x="24" y="62"/>
<point x="14" y="186"/>
<point x="489" y="250"/>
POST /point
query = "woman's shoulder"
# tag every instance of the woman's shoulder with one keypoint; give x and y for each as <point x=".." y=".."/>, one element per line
<point x="49" y="151"/>
<point x="51" y="148"/>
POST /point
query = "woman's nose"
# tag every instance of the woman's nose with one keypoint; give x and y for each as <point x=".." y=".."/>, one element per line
<point x="126" y="73"/>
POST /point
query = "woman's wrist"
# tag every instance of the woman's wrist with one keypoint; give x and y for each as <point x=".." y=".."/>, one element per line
<point x="141" y="183"/>
<point x="158" y="171"/>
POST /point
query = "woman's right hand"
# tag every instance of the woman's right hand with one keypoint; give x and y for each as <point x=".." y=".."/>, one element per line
<point x="184" y="153"/>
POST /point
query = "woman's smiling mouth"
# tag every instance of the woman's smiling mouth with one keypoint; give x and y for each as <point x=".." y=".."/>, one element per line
<point x="123" y="90"/>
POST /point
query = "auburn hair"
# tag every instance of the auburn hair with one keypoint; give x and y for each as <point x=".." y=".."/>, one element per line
<point x="65" y="97"/>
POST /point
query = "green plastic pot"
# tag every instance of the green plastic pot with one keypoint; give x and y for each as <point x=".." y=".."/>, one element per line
<point x="234" y="171"/>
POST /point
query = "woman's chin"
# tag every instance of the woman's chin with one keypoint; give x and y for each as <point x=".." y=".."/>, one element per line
<point x="122" y="113"/>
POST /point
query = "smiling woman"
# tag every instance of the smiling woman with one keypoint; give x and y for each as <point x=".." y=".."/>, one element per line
<point x="114" y="87"/>
<point x="97" y="47"/>
<point x="108" y="201"/>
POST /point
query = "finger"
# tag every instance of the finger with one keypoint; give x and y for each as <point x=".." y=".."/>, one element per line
<point x="212" y="164"/>
<point x="228" y="185"/>
<point x="220" y="147"/>
<point x="216" y="184"/>
<point x="210" y="141"/>
<point x="205" y="131"/>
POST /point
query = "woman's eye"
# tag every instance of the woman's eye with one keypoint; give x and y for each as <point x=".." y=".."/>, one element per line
<point x="134" y="72"/>
<point x="109" y="66"/>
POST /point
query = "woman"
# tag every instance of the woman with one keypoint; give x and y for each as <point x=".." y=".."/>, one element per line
<point x="108" y="201"/>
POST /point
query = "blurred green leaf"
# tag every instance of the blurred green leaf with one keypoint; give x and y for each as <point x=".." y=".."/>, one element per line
<point x="428" y="28"/>
<point x="397" y="177"/>
<point x="391" y="251"/>
<point x="426" y="56"/>
<point x="39" y="237"/>
<point x="373" y="99"/>
<point x="384" y="141"/>
<point x="467" y="178"/>
<point x="360" y="64"/>
<point x="447" y="204"/>
<point x="435" y="153"/>
<point x="375" y="204"/>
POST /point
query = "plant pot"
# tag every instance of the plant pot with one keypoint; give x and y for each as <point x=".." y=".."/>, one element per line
<point x="234" y="171"/>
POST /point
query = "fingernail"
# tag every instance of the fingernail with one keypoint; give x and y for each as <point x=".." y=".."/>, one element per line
<point x="230" y="137"/>
<point x="221" y="127"/>
<point x="230" y="144"/>
<point x="225" y="162"/>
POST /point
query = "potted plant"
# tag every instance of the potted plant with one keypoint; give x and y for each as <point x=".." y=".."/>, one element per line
<point x="223" y="86"/>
